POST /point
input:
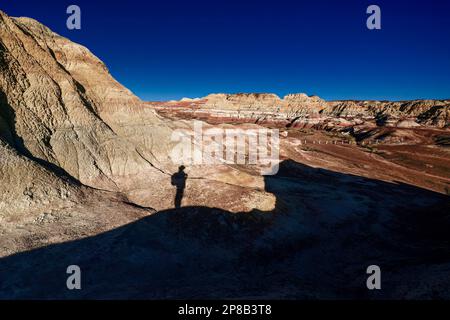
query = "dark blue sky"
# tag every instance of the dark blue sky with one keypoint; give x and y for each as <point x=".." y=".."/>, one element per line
<point x="171" y="49"/>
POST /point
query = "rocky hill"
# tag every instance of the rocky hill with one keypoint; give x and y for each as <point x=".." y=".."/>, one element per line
<point x="300" y="110"/>
<point x="61" y="108"/>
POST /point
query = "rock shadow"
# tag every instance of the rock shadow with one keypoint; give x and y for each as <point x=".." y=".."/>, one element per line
<point x="327" y="228"/>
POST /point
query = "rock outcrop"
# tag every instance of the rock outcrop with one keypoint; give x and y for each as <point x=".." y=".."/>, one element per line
<point x="300" y="110"/>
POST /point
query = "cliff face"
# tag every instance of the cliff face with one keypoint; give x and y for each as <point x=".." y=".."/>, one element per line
<point x="52" y="113"/>
<point x="300" y="110"/>
<point x="428" y="113"/>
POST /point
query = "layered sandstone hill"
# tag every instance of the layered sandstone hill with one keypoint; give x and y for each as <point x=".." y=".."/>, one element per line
<point x="300" y="110"/>
<point x="63" y="115"/>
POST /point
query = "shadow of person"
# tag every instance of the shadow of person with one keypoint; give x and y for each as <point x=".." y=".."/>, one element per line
<point x="326" y="229"/>
<point x="179" y="181"/>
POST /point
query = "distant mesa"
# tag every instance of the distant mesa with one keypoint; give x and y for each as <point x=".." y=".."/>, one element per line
<point x="299" y="109"/>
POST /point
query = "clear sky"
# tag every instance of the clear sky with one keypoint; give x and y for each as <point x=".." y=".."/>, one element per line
<point x="172" y="49"/>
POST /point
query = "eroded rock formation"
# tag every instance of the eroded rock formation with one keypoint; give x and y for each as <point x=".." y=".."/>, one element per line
<point x="300" y="110"/>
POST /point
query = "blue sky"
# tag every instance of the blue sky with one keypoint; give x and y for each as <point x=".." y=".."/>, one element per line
<point x="172" y="49"/>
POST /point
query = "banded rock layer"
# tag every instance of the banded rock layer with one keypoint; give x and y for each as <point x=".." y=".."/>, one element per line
<point x="300" y="110"/>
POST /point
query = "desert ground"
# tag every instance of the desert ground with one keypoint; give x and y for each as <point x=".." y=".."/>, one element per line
<point x="86" y="178"/>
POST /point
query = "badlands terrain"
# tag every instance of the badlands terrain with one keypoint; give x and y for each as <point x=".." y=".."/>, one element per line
<point x="85" y="179"/>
